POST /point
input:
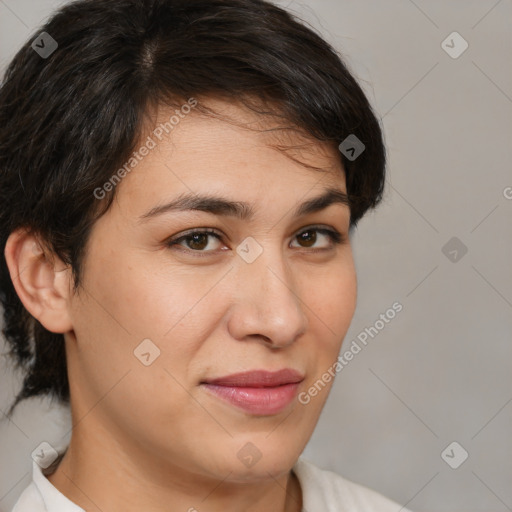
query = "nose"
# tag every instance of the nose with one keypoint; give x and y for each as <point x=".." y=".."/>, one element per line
<point x="266" y="305"/>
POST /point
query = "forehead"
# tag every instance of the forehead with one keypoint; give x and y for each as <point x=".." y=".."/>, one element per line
<point x="244" y="152"/>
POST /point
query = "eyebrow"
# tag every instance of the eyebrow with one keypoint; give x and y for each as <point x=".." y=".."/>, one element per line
<point x="239" y="209"/>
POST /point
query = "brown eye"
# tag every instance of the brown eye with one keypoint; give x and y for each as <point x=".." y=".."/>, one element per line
<point x="196" y="241"/>
<point x="308" y="237"/>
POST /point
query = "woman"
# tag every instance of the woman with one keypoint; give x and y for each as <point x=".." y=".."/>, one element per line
<point x="180" y="180"/>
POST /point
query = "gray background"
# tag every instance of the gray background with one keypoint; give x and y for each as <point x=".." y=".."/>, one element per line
<point x="440" y="370"/>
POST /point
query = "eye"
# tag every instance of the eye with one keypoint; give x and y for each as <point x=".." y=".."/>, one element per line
<point x="310" y="237"/>
<point x="197" y="241"/>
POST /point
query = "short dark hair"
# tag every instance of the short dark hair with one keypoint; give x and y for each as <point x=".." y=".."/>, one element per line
<point x="70" y="119"/>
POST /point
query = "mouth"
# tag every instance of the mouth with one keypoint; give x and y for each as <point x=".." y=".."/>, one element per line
<point x="257" y="392"/>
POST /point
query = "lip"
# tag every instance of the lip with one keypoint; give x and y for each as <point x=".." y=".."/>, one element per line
<point x="257" y="392"/>
<point x="259" y="379"/>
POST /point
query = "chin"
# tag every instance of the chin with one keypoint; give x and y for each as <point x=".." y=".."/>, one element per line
<point x="251" y="463"/>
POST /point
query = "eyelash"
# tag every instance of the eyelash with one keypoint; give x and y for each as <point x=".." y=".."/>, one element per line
<point x="335" y="236"/>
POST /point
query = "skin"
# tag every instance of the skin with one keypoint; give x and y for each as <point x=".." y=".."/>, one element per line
<point x="151" y="437"/>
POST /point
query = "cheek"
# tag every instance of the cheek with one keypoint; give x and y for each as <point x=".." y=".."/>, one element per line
<point x="122" y="306"/>
<point x="330" y="304"/>
<point x="176" y="310"/>
<point x="147" y="298"/>
<point x="330" y="296"/>
<point x="124" y="303"/>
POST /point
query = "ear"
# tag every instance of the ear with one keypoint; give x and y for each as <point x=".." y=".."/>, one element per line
<point x="42" y="281"/>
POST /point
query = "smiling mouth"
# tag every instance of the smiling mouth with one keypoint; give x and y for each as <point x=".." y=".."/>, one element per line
<point x="257" y="392"/>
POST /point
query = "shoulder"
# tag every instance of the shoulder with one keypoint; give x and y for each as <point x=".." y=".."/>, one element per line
<point x="332" y="492"/>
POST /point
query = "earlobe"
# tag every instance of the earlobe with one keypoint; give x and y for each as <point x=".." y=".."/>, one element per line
<point x="41" y="282"/>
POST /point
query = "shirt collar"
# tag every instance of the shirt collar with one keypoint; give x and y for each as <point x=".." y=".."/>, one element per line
<point x="53" y="499"/>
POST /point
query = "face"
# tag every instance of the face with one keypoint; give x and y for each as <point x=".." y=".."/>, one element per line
<point x="167" y="308"/>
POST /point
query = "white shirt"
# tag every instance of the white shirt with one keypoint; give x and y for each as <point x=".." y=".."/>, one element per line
<point x="322" y="491"/>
